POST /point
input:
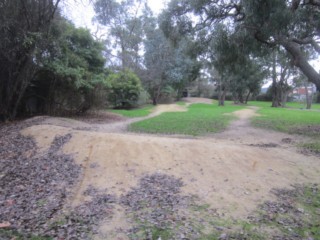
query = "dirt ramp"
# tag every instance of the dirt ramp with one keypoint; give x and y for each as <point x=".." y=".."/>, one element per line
<point x="233" y="178"/>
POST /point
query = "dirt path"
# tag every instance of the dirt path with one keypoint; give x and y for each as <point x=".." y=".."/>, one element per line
<point x="114" y="127"/>
<point x="233" y="171"/>
<point x="241" y="131"/>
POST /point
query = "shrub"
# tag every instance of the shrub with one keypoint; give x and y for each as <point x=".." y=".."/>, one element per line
<point x="125" y="89"/>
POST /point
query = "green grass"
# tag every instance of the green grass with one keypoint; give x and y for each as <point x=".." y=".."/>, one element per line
<point x="303" y="204"/>
<point x="293" y="121"/>
<point x="200" y="119"/>
<point x="286" y="120"/>
<point x="136" y="112"/>
<point x="312" y="146"/>
<point x="297" y="105"/>
<point x="181" y="103"/>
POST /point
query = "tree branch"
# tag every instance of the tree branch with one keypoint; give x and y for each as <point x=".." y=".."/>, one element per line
<point x="301" y="62"/>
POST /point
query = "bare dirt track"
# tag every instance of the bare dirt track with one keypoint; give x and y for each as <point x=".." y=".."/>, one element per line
<point x="232" y="171"/>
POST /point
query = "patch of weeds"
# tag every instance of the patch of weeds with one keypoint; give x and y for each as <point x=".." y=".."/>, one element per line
<point x="159" y="211"/>
<point x="296" y="214"/>
<point x="292" y="121"/>
<point x="41" y="202"/>
<point x="8" y="234"/>
<point x="312" y="147"/>
<point x="147" y="231"/>
<point x="82" y="222"/>
<point x="201" y="207"/>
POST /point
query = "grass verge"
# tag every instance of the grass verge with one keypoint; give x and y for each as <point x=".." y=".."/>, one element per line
<point x="132" y="113"/>
<point x="292" y="121"/>
<point x="200" y="119"/>
<point x="287" y="120"/>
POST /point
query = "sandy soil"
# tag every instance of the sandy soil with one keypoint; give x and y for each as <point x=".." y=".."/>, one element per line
<point x="233" y="171"/>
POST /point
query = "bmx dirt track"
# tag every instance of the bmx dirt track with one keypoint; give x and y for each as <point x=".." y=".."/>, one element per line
<point x="233" y="171"/>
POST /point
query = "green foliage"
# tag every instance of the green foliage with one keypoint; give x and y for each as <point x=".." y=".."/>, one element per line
<point x="137" y="112"/>
<point x="75" y="57"/>
<point x="23" y="29"/>
<point x="167" y="65"/>
<point x="238" y="71"/>
<point x="200" y="119"/>
<point x="125" y="88"/>
<point x="289" y="25"/>
<point x="123" y="21"/>
<point x="72" y="75"/>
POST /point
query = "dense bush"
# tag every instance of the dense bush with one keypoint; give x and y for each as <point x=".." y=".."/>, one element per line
<point x="125" y="89"/>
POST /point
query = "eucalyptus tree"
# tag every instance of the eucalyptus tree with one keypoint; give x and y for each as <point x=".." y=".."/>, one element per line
<point x="23" y="28"/>
<point x="123" y="22"/>
<point x="281" y="71"/>
<point x="239" y="71"/>
<point x="167" y="63"/>
<point x="292" y="24"/>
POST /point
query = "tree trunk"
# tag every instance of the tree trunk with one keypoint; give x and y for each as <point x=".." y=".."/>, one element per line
<point x="275" y="87"/>
<point x="222" y="97"/>
<point x="156" y="95"/>
<point x="247" y="97"/>
<point x="308" y="96"/>
<point x="301" y="62"/>
<point x="240" y="97"/>
<point x="15" y="86"/>
<point x="154" y="101"/>
<point x="318" y="97"/>
<point x="284" y="98"/>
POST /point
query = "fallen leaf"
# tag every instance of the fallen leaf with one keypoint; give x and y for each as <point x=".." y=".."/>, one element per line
<point x="5" y="225"/>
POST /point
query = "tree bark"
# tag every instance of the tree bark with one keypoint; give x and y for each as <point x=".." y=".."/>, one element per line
<point x="301" y="62"/>
<point x="222" y="97"/>
<point x="275" y="94"/>
<point x="247" y="97"/>
<point x="284" y="98"/>
<point x="308" y="96"/>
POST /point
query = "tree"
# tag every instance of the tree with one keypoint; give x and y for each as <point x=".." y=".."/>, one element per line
<point x="125" y="88"/>
<point x="238" y="71"/>
<point x="124" y="25"/>
<point x="167" y="64"/>
<point x="292" y="25"/>
<point x="301" y="81"/>
<point x="23" y="28"/>
<point x="281" y="71"/>
<point x="71" y="71"/>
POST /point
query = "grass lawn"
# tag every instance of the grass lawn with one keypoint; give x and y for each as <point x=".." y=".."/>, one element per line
<point x="297" y="105"/>
<point x="304" y="122"/>
<point x="314" y="106"/>
<point x="181" y="103"/>
<point x="286" y="120"/>
<point x="136" y="112"/>
<point x="200" y="119"/>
